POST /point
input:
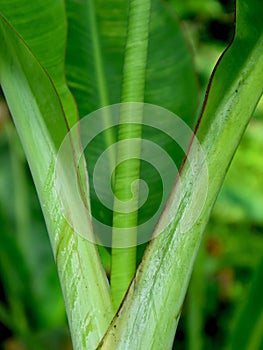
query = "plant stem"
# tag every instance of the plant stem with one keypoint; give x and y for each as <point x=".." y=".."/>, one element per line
<point x="123" y="264"/>
<point x="83" y="280"/>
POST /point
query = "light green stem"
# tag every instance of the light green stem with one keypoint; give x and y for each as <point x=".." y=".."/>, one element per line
<point x="123" y="263"/>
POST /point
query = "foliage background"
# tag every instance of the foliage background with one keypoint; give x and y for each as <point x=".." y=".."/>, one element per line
<point x="32" y="314"/>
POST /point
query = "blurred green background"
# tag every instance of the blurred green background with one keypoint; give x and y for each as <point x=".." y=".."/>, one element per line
<point x="223" y="308"/>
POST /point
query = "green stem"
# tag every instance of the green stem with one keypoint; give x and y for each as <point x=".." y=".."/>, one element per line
<point x="123" y="263"/>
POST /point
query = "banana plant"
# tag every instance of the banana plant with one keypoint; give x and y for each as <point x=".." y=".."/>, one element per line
<point x="118" y="73"/>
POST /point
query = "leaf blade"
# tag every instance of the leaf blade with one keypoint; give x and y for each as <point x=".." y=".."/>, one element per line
<point x="40" y="121"/>
<point x="43" y="27"/>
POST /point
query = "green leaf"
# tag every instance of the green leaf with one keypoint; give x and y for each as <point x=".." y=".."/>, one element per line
<point x="97" y="32"/>
<point x="171" y="80"/>
<point x="39" y="118"/>
<point x="42" y="281"/>
<point x="43" y="26"/>
<point x="162" y="278"/>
